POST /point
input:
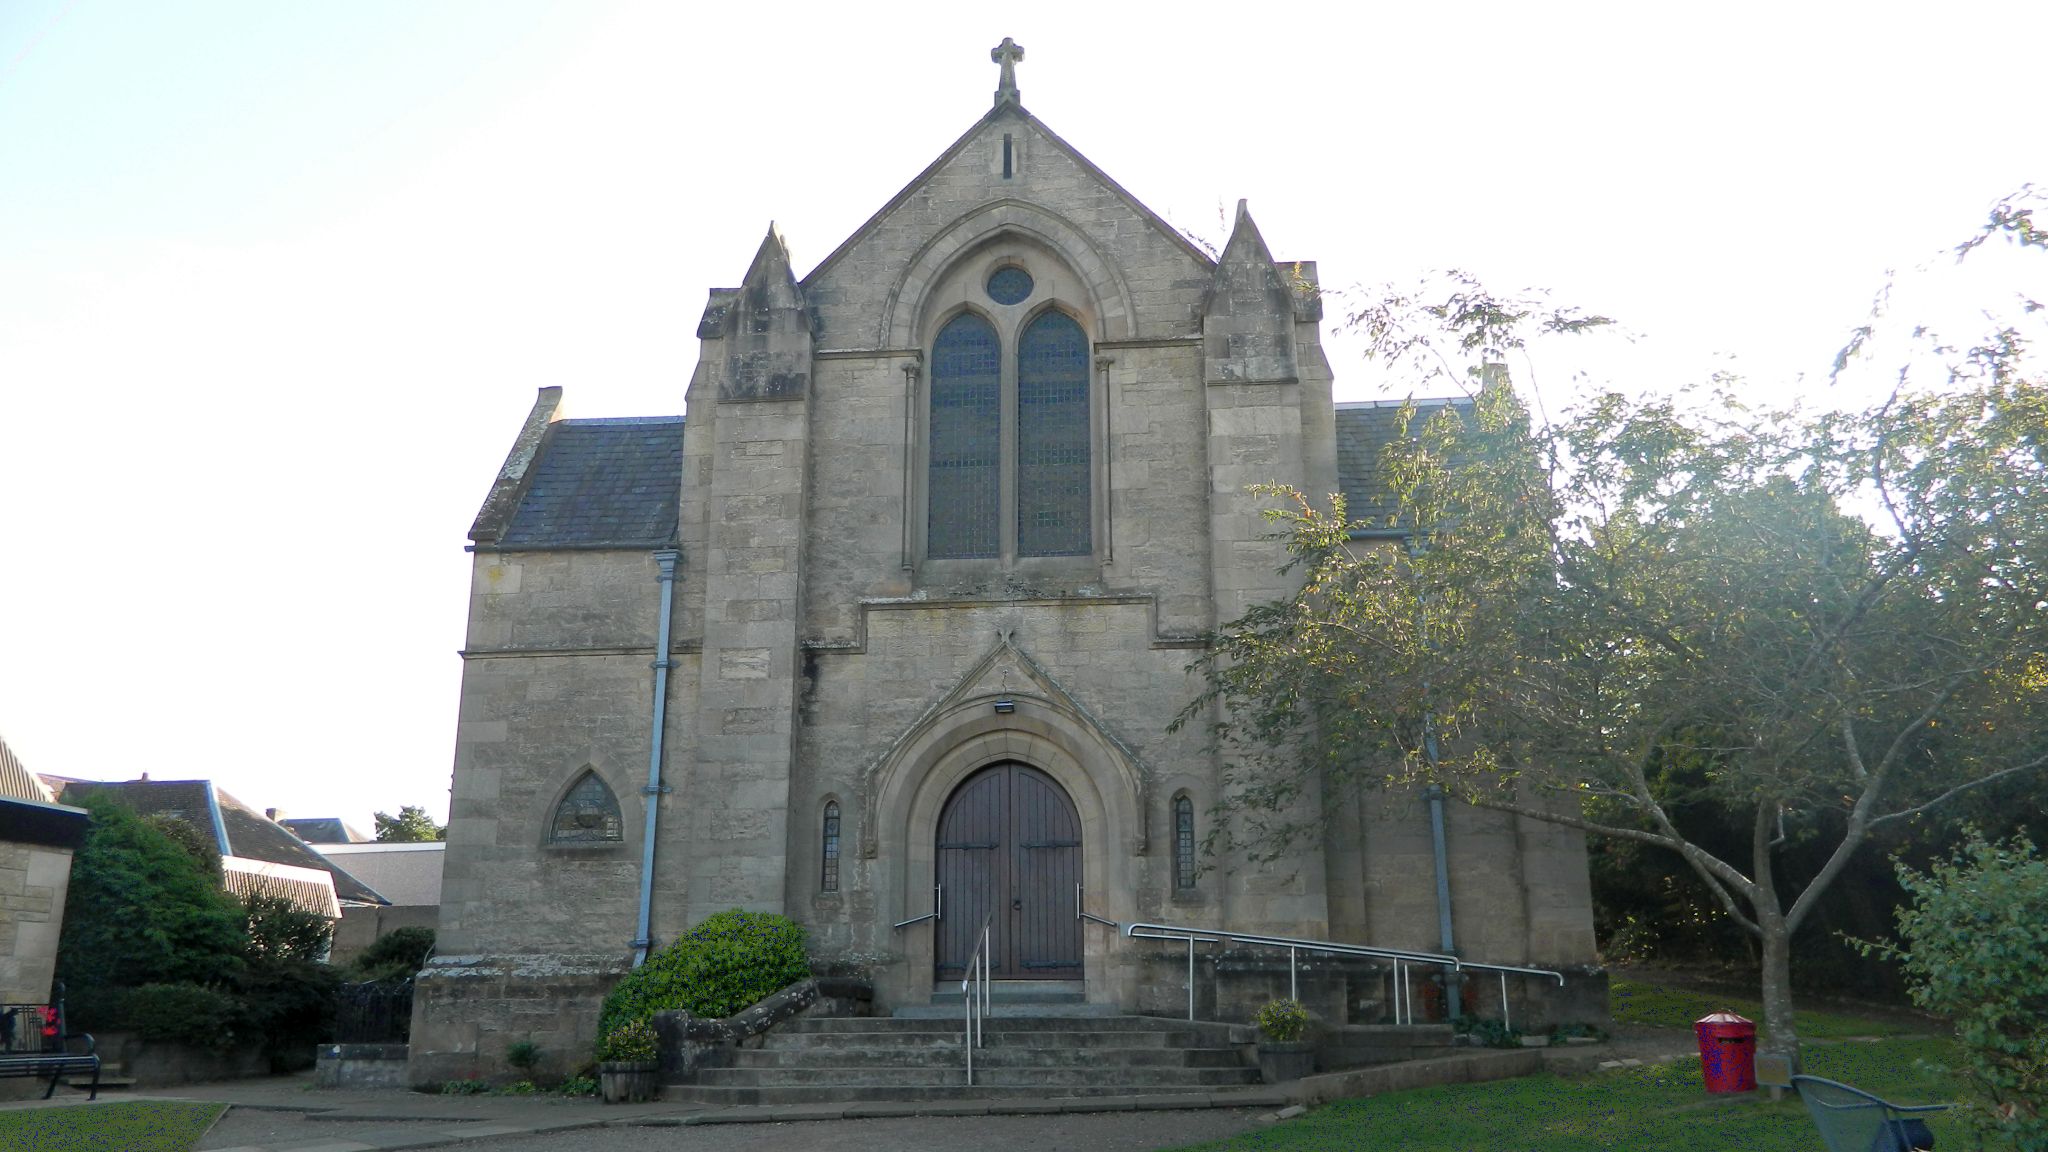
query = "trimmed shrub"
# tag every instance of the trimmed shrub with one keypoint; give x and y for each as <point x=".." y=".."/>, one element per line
<point x="631" y="1042"/>
<point x="727" y="963"/>
<point x="1282" y="1021"/>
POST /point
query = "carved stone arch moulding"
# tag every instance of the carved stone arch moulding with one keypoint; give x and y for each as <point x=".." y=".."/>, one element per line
<point x="912" y="783"/>
<point x="1110" y="294"/>
<point x="1039" y="706"/>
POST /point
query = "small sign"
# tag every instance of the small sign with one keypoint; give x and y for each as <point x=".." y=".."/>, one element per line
<point x="1773" y="1071"/>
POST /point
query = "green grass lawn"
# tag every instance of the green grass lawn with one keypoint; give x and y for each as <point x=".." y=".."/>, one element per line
<point x="1656" y="1108"/>
<point x="1663" y="1007"/>
<point x="128" y="1126"/>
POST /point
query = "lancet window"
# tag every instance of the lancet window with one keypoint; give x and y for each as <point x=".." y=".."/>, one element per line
<point x="1010" y="458"/>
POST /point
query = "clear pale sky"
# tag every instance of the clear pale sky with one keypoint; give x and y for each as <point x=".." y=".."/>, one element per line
<point x="278" y="280"/>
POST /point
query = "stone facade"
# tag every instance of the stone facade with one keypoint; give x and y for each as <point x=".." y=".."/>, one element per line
<point x="33" y="881"/>
<point x="825" y="657"/>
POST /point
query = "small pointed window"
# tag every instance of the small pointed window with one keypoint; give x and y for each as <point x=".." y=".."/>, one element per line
<point x="829" y="877"/>
<point x="1183" y="842"/>
<point x="588" y="814"/>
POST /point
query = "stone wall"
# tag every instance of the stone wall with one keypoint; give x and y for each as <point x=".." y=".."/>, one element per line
<point x="33" y="881"/>
<point x="467" y="1010"/>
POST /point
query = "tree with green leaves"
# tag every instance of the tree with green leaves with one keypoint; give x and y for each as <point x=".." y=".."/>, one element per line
<point x="412" y="825"/>
<point x="1821" y="624"/>
<point x="143" y="909"/>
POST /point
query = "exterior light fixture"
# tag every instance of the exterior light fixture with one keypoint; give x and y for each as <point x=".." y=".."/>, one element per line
<point x="1005" y="706"/>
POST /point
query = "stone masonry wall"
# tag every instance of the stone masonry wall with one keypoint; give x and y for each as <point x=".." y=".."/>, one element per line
<point x="33" y="881"/>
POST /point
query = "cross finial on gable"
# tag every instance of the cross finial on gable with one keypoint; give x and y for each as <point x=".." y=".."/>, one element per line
<point x="1007" y="54"/>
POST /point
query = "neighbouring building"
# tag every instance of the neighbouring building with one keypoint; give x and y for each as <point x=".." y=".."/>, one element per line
<point x="893" y="623"/>
<point x="407" y="875"/>
<point x="37" y="838"/>
<point x="257" y="855"/>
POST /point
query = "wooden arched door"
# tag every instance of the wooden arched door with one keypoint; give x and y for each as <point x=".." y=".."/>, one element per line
<point x="1009" y="852"/>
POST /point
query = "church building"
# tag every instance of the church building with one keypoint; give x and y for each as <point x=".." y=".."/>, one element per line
<point x="885" y="633"/>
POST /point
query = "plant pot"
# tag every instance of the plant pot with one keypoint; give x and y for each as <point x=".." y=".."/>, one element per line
<point x="629" y="1081"/>
<point x="1289" y="1060"/>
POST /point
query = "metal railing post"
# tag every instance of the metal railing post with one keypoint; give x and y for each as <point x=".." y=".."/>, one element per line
<point x="1191" y="978"/>
<point x="1504" y="1001"/>
<point x="1293" y="984"/>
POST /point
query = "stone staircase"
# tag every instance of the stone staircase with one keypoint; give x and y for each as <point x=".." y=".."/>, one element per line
<point x="1036" y="1044"/>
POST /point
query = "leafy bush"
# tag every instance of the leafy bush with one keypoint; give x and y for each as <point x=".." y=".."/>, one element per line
<point x="631" y="1041"/>
<point x="465" y="1087"/>
<point x="143" y="910"/>
<point x="207" y="1018"/>
<point x="1489" y="1033"/>
<point x="397" y="955"/>
<point x="522" y="1055"/>
<point x="578" y="1086"/>
<point x="1282" y="1021"/>
<point x="729" y="962"/>
<point x="1976" y="951"/>
<point x="279" y="929"/>
<point x="291" y="1005"/>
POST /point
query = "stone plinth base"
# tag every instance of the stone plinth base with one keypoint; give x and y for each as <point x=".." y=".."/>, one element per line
<point x="467" y="1010"/>
<point x="360" y="1066"/>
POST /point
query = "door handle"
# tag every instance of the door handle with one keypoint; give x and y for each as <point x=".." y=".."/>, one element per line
<point x="1016" y="905"/>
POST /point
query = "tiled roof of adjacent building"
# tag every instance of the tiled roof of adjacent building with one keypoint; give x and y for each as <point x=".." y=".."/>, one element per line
<point x="309" y="888"/>
<point x="236" y="828"/>
<point x="601" y="484"/>
<point x="17" y="782"/>
<point x="1364" y="429"/>
<point x="323" y="830"/>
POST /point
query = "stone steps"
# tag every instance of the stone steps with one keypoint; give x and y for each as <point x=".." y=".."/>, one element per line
<point x="1034" y="1095"/>
<point x="1232" y="1033"/>
<point x="996" y="1034"/>
<point x="994" y="1055"/>
<point x="1145" y="1078"/>
<point x="1024" y="1057"/>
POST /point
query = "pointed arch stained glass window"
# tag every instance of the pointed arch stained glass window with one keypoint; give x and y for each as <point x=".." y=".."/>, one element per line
<point x="1053" y="507"/>
<point x="966" y="439"/>
<point x="588" y="814"/>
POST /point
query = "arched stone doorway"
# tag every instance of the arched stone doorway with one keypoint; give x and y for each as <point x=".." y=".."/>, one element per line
<point x="1008" y="855"/>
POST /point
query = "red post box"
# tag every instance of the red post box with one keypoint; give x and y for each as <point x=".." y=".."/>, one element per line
<point x="1727" y="1052"/>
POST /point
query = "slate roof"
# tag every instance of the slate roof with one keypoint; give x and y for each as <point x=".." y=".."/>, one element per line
<point x="236" y="828"/>
<point x="323" y="830"/>
<point x="601" y="484"/>
<point x="1363" y="431"/>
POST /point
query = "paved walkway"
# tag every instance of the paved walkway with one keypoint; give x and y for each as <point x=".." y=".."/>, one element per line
<point x="291" y="1114"/>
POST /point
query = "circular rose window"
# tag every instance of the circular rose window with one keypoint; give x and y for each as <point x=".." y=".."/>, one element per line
<point x="1011" y="285"/>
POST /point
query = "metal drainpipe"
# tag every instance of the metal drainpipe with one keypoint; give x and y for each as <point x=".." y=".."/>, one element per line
<point x="1443" y="888"/>
<point x="1434" y="793"/>
<point x="665" y="574"/>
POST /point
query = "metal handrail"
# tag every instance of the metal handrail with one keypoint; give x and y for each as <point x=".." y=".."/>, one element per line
<point x="1081" y="915"/>
<point x="938" y="911"/>
<point x="974" y="990"/>
<point x="1404" y="1005"/>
